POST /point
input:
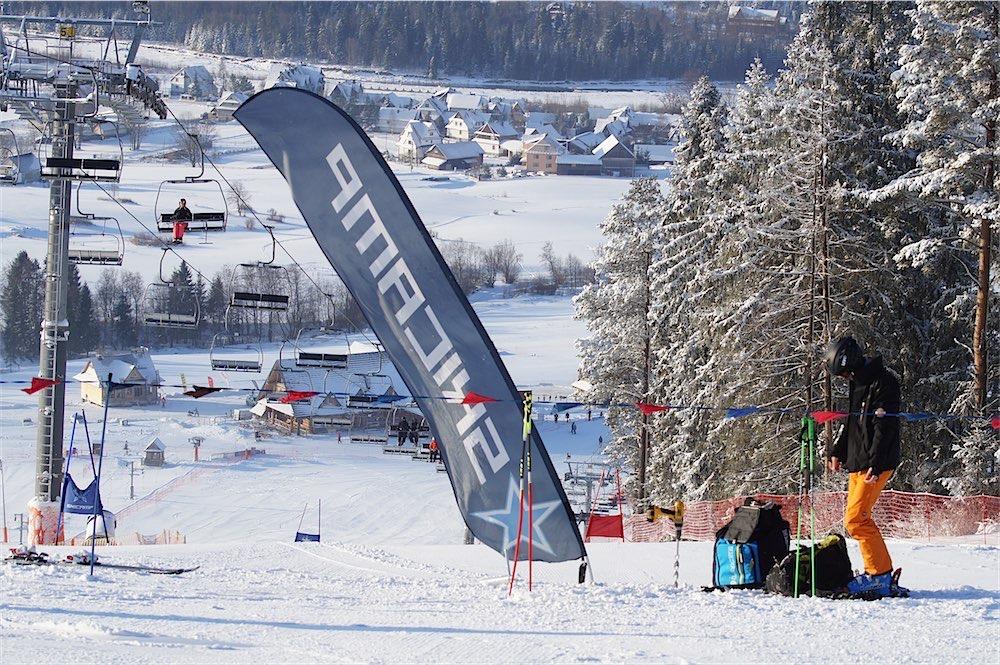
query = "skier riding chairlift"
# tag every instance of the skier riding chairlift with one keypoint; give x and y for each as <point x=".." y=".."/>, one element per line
<point x="181" y="218"/>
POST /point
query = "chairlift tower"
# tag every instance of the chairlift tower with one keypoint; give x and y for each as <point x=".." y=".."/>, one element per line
<point x="44" y="83"/>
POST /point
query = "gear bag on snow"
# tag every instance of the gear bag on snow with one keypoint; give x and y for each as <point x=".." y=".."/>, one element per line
<point x="749" y="546"/>
<point x="832" y="563"/>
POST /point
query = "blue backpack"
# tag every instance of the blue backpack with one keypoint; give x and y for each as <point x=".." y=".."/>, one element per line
<point x="748" y="547"/>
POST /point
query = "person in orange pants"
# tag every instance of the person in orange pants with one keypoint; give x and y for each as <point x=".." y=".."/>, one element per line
<point x="868" y="448"/>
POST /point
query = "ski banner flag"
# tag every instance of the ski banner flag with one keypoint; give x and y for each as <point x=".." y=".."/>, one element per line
<point x="80" y="501"/>
<point x="374" y="239"/>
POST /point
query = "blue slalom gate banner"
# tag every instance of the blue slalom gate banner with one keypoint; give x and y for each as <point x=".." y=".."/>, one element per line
<point x="80" y="501"/>
<point x="306" y="537"/>
<point x="372" y="236"/>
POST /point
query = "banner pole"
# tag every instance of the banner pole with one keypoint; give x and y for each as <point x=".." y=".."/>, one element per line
<point x="98" y="505"/>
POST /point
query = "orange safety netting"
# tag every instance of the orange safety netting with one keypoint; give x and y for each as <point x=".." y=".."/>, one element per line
<point x="898" y="515"/>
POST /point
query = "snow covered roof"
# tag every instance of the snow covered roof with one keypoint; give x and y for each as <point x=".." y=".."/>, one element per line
<point x="663" y="154"/>
<point x="609" y="144"/>
<point x="368" y="373"/>
<point x="194" y="72"/>
<point x="542" y="129"/>
<point x="398" y="101"/>
<point x="421" y="133"/>
<point x="347" y="89"/>
<point x="393" y="114"/>
<point x="578" y="159"/>
<point x="135" y="367"/>
<point x="587" y="141"/>
<point x="155" y="445"/>
<point x="434" y="104"/>
<point x="550" y="144"/>
<point x="498" y="128"/>
<point x="459" y="150"/>
<point x="461" y="100"/>
<point x="306" y="77"/>
<point x="610" y="127"/>
<point x="472" y="119"/>
<point x="538" y="119"/>
<point x="512" y="145"/>
<point x="231" y="100"/>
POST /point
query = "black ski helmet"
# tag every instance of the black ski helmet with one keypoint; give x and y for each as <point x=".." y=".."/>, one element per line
<point x="844" y="356"/>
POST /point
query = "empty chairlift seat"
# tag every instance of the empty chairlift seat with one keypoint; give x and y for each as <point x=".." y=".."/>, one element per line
<point x="326" y="360"/>
<point x="269" y="301"/>
<point x="76" y="168"/>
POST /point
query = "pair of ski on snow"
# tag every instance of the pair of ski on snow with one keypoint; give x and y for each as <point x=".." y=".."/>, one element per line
<point x="21" y="556"/>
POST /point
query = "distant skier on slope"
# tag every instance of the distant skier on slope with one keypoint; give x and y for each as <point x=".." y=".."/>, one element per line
<point x="868" y="449"/>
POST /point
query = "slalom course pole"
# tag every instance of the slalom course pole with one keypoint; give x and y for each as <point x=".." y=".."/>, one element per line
<point x="678" y="518"/>
<point x="62" y="499"/>
<point x="97" y="480"/>
<point x="298" y="529"/>
<point x="319" y="519"/>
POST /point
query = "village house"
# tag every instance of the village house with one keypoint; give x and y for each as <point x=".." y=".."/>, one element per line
<point x="305" y="77"/>
<point x="509" y="111"/>
<point x="195" y="81"/>
<point x="655" y="154"/>
<point x="227" y="104"/>
<point x="416" y="138"/>
<point x="393" y="120"/>
<point x="135" y="370"/>
<point x="540" y="154"/>
<point x="358" y="389"/>
<point x="617" y="159"/>
<point x="345" y="93"/>
<point x="492" y="135"/>
<point x="463" y="125"/>
<point x="584" y="144"/>
<point x="454" y="156"/>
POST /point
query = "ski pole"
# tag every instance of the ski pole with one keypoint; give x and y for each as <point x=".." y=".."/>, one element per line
<point x="520" y="516"/>
<point x="811" y="434"/>
<point x="98" y="507"/>
<point x="799" y="513"/>
<point x="678" y="518"/>
<point x="526" y="436"/>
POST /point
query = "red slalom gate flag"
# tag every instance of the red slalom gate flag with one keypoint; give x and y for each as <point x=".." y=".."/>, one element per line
<point x="649" y="409"/>
<point x="38" y="383"/>
<point x="995" y="422"/>
<point x="476" y="398"/>
<point x="296" y="395"/>
<point x="822" y="417"/>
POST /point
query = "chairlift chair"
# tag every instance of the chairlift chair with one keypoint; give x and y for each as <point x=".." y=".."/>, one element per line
<point x="249" y="292"/>
<point x="213" y="219"/>
<point x="105" y="247"/>
<point x="231" y="352"/>
<point x="162" y="306"/>
<point x="8" y="173"/>
<point x="93" y="168"/>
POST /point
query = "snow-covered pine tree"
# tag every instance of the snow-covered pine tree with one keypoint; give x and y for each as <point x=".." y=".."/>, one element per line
<point x="949" y="89"/>
<point x="614" y="359"/>
<point x="679" y="461"/>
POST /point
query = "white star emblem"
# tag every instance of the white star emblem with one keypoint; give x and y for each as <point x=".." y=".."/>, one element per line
<point x="507" y="518"/>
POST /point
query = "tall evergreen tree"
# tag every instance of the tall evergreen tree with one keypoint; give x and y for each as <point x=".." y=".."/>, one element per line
<point x="22" y="302"/>
<point x="617" y="357"/>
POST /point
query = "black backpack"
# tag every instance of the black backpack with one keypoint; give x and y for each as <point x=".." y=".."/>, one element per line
<point x="749" y="546"/>
<point x="833" y="569"/>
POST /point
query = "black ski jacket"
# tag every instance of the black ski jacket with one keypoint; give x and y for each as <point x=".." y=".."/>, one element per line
<point x="866" y="441"/>
<point x="182" y="215"/>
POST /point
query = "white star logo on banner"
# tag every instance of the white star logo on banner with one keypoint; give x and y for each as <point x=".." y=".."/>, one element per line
<point x="507" y="518"/>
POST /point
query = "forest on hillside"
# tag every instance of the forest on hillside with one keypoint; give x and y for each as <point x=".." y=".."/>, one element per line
<point x="522" y="40"/>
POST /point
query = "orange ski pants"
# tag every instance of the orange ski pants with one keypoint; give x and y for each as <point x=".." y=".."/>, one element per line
<point x="861" y="497"/>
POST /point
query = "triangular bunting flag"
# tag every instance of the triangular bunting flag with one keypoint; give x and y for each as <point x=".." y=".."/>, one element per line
<point x="201" y="391"/>
<point x="38" y="383"/>
<point x="476" y="398"/>
<point x="649" y="409"/>
<point x="995" y="422"/>
<point x="920" y="415"/>
<point x="742" y="411"/>
<point x="822" y="417"/>
<point x="296" y="395"/>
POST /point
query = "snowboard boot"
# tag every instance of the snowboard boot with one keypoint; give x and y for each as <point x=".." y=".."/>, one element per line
<point x="871" y="587"/>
